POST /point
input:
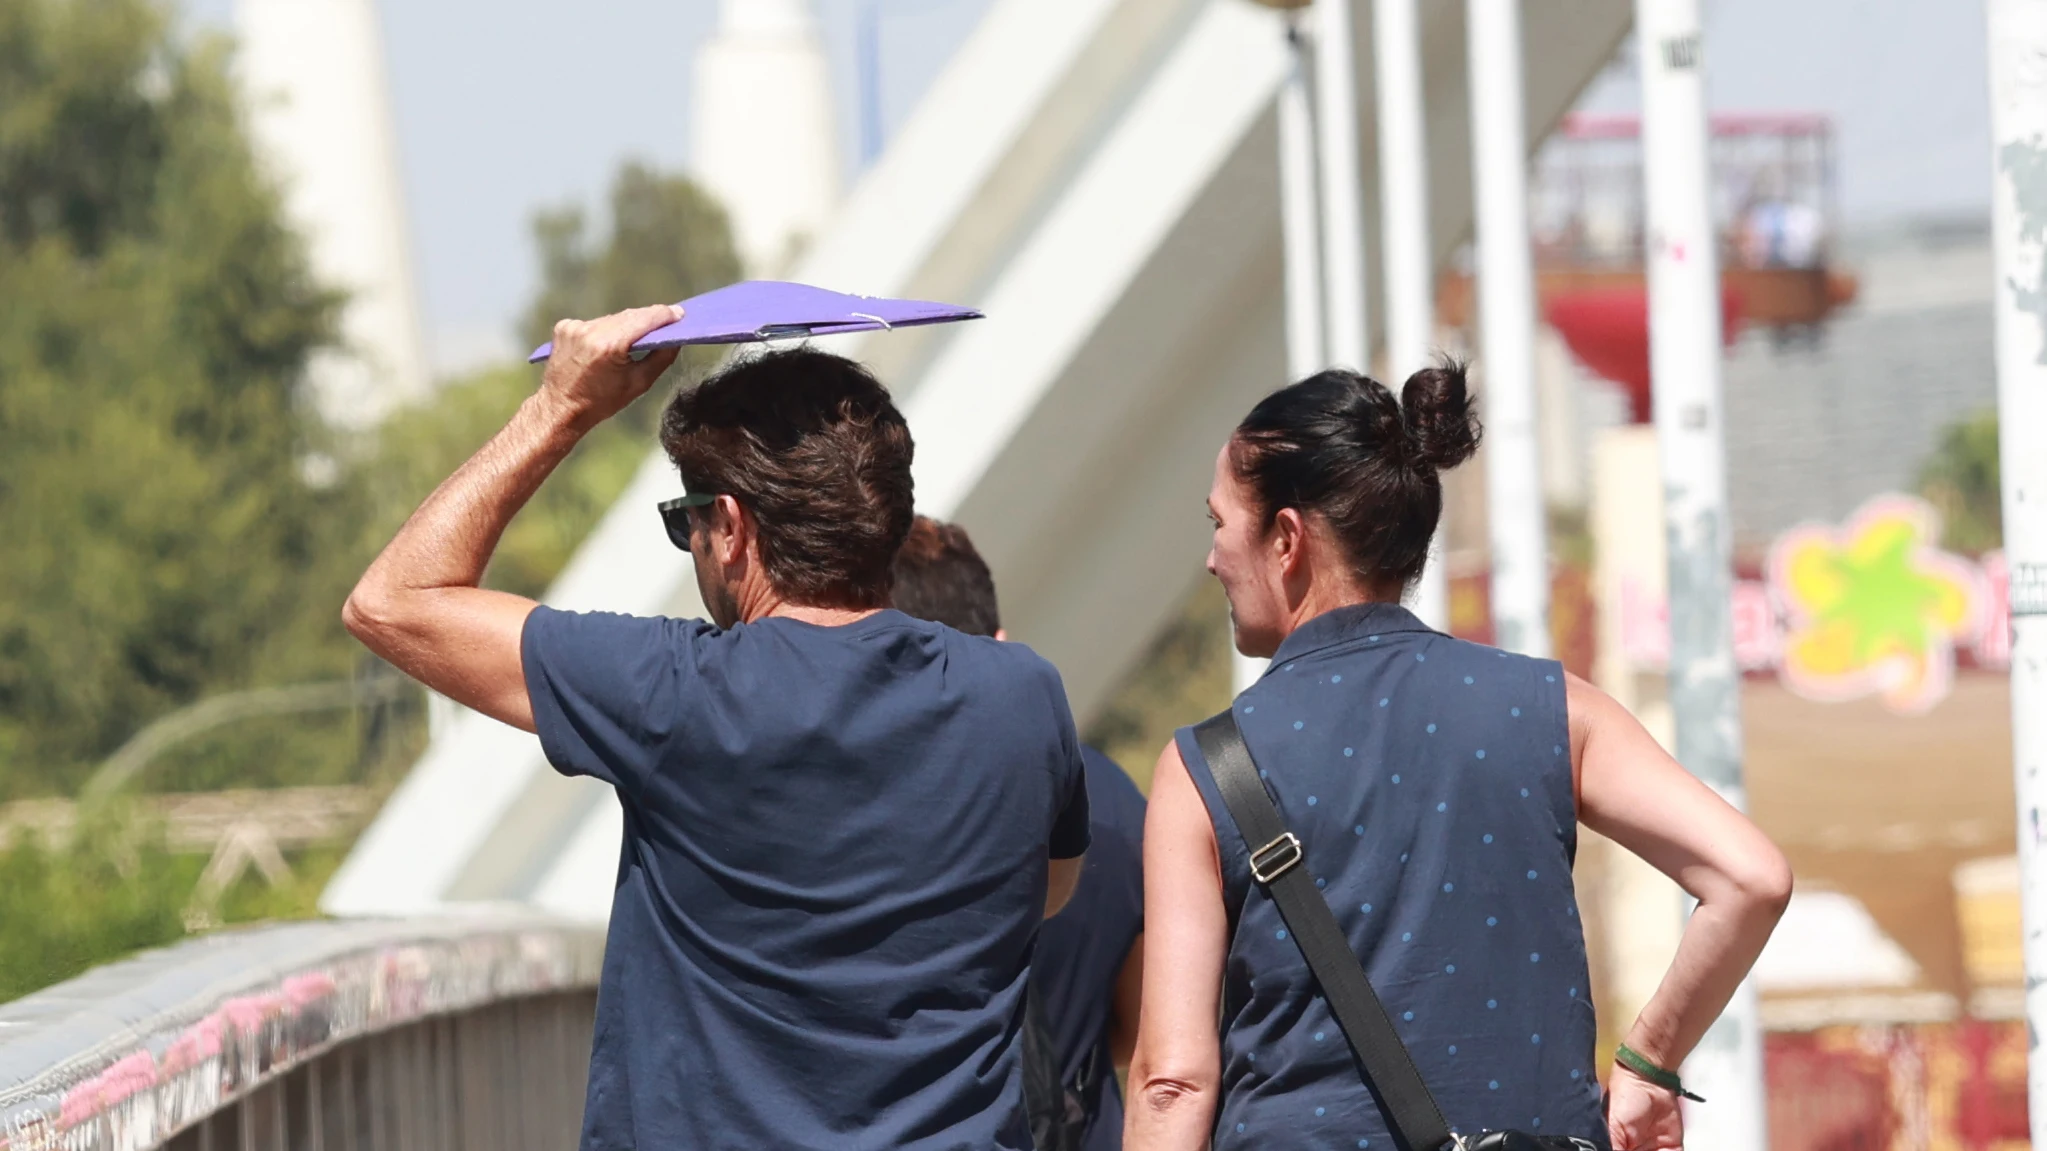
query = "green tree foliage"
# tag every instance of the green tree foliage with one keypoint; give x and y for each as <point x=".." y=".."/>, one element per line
<point x="668" y="240"/>
<point x="162" y="542"/>
<point x="1960" y="478"/>
<point x="154" y="317"/>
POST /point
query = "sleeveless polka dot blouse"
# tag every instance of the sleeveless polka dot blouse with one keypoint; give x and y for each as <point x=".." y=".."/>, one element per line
<point x="1430" y="781"/>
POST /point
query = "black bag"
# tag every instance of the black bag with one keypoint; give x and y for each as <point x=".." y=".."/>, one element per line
<point x="1389" y="1071"/>
<point x="1057" y="1113"/>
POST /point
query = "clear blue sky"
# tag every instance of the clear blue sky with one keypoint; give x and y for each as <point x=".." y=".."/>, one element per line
<point x="508" y="107"/>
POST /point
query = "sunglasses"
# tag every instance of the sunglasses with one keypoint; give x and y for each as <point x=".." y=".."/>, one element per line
<point x="675" y="516"/>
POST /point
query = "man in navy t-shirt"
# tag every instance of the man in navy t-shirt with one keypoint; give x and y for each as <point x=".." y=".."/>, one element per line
<point x="1085" y="978"/>
<point x="842" y="825"/>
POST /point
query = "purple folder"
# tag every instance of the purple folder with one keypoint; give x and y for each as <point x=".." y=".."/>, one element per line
<point x="759" y="310"/>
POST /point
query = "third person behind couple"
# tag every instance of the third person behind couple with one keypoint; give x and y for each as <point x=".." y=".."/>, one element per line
<point x="1084" y="984"/>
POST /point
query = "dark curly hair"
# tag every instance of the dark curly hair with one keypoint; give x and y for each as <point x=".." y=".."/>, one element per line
<point x="812" y="445"/>
<point x="1339" y="446"/>
<point x="940" y="576"/>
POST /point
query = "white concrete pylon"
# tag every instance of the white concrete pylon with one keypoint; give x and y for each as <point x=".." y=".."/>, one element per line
<point x="1684" y="363"/>
<point x="764" y="140"/>
<point x="312" y="75"/>
<point x="2018" y="208"/>
<point x="1506" y="310"/>
<point x="1404" y="234"/>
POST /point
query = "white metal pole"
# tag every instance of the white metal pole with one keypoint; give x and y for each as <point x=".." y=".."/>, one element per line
<point x="2018" y="212"/>
<point x="1301" y="234"/>
<point x="1343" y="194"/>
<point x="1302" y="250"/>
<point x="1506" y="314"/>
<point x="1684" y="362"/>
<point x="1404" y="234"/>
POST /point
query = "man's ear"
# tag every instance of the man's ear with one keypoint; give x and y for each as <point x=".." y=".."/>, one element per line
<point x="732" y="531"/>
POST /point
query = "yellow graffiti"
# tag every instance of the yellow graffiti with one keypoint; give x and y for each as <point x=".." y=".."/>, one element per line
<point x="1875" y="608"/>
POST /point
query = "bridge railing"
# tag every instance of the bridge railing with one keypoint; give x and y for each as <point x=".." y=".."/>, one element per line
<point x="391" y="1035"/>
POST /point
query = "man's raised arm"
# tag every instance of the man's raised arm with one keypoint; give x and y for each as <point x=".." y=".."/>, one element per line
<point x="418" y="605"/>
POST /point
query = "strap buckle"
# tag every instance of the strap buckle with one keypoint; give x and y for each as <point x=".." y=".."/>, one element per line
<point x="1276" y="858"/>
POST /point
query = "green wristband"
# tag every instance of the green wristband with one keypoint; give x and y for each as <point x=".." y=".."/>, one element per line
<point x="1633" y="1060"/>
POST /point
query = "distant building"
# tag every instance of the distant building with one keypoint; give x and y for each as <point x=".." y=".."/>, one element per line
<point x="1815" y="427"/>
<point x="313" y="77"/>
<point x="764" y="140"/>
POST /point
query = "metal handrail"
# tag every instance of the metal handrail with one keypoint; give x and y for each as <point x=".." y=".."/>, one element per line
<point x="129" y="1054"/>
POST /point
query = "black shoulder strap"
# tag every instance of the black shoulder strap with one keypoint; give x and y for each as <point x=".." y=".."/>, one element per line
<point x="1276" y="856"/>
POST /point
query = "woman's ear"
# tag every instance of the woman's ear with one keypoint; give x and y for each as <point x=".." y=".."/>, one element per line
<point x="1290" y="537"/>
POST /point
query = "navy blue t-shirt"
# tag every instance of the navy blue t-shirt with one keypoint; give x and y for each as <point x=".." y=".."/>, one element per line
<point x="1082" y="949"/>
<point x="832" y="875"/>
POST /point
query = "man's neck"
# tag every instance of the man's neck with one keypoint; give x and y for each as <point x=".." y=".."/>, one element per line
<point x="821" y="616"/>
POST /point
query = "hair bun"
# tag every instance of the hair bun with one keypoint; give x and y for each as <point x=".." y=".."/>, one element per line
<point x="1436" y="407"/>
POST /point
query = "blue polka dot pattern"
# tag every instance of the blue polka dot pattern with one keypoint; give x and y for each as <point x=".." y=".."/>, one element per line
<point x="1312" y="801"/>
<point x="1481" y="753"/>
<point x="1321" y="1111"/>
<point x="1319" y="1036"/>
<point x="1298" y="725"/>
<point x="1383" y="702"/>
<point x="1468" y="680"/>
<point x="1453" y="1049"/>
<point x="1467" y="967"/>
<point x="1396" y="777"/>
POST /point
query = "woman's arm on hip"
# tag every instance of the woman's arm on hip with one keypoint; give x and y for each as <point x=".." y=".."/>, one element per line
<point x="1631" y="791"/>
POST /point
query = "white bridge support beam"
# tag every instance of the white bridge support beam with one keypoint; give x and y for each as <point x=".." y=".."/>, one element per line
<point x="1098" y="176"/>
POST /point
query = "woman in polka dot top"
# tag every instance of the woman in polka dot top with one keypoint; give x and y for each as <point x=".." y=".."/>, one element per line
<point x="1437" y="786"/>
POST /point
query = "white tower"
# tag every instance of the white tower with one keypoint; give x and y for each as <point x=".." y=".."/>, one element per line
<point x="764" y="141"/>
<point x="313" y="76"/>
